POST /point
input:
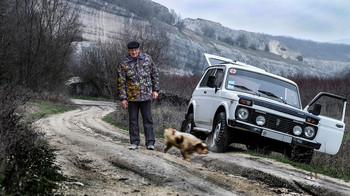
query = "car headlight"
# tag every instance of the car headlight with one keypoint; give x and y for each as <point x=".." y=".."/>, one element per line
<point x="260" y="120"/>
<point x="297" y="130"/>
<point x="243" y="113"/>
<point x="309" y="132"/>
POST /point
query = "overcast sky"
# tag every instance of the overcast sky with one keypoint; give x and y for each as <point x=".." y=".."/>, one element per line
<point x="318" y="20"/>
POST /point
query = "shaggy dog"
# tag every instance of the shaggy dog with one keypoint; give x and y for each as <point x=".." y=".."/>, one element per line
<point x="187" y="143"/>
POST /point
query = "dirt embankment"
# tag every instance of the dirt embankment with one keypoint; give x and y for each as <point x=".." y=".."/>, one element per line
<point x="95" y="157"/>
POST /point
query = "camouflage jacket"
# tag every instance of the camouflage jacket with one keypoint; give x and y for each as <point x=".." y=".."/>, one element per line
<point x="137" y="78"/>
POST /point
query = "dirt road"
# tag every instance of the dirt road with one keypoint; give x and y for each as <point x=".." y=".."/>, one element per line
<point x="95" y="157"/>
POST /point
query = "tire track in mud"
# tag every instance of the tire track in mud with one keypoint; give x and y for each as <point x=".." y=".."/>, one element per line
<point x="275" y="174"/>
<point x="96" y="153"/>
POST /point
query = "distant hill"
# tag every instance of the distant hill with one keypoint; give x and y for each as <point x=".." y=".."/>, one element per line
<point x="314" y="49"/>
<point x="342" y="41"/>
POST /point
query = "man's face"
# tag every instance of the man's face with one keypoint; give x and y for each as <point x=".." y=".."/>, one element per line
<point x="134" y="52"/>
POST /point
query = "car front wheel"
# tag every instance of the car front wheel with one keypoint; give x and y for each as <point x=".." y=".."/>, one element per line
<point x="218" y="139"/>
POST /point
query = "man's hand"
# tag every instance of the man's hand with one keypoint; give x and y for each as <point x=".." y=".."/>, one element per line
<point x="124" y="104"/>
<point x="155" y="94"/>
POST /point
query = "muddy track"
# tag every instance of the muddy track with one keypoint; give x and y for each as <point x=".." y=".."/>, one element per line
<point x="95" y="157"/>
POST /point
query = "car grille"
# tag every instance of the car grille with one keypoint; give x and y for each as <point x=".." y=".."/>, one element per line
<point x="274" y="122"/>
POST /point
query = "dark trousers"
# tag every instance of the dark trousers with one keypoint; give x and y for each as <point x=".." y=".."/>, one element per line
<point x="145" y="107"/>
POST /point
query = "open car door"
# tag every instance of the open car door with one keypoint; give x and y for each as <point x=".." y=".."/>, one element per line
<point x="330" y="109"/>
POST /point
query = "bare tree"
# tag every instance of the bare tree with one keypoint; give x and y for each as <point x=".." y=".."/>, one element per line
<point x="153" y="39"/>
<point x="242" y="41"/>
<point x="208" y="31"/>
<point x="177" y="17"/>
<point x="35" y="39"/>
<point x="38" y="36"/>
<point x="99" y="61"/>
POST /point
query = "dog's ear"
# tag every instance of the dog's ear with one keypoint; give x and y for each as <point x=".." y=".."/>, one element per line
<point x="201" y="148"/>
<point x="179" y="139"/>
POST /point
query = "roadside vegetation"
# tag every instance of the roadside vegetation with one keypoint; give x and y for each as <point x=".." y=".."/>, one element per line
<point x="35" y="110"/>
<point x="30" y="166"/>
<point x="35" y="48"/>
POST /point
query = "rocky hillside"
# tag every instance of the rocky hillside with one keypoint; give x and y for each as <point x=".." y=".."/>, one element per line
<point x="106" y="19"/>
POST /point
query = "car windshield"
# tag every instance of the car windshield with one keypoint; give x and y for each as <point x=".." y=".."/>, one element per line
<point x="262" y="85"/>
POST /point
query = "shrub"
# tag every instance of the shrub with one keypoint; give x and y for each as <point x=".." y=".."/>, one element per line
<point x="182" y="86"/>
<point x="300" y="58"/>
<point x="26" y="161"/>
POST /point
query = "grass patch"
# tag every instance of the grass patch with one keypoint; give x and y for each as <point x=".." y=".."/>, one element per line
<point x="90" y="98"/>
<point x="109" y="119"/>
<point x="347" y="133"/>
<point x="37" y="110"/>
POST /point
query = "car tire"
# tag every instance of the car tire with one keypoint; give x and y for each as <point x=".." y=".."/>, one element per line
<point x="218" y="139"/>
<point x="300" y="154"/>
<point x="188" y="125"/>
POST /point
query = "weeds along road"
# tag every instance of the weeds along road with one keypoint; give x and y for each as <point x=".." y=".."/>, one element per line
<point x="95" y="158"/>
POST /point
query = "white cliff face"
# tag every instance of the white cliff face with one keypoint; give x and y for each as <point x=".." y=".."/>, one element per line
<point x="254" y="41"/>
<point x="100" y="25"/>
<point x="103" y="21"/>
<point x="276" y="47"/>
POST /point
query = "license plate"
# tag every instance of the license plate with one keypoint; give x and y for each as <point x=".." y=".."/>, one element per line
<point x="276" y="136"/>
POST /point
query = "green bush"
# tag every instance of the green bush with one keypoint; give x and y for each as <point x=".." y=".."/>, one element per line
<point x="26" y="161"/>
<point x="28" y="165"/>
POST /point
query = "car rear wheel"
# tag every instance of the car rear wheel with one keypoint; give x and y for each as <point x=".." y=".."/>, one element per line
<point x="218" y="139"/>
<point x="188" y="125"/>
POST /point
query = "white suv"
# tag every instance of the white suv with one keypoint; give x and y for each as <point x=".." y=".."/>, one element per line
<point x="236" y="102"/>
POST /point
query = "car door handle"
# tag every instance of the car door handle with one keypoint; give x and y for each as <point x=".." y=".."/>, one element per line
<point x="339" y="126"/>
<point x="205" y="92"/>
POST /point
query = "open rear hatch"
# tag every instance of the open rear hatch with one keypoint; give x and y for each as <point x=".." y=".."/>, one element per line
<point x="215" y="60"/>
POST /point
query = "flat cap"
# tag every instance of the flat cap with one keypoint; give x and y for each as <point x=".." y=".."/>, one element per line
<point x="133" y="44"/>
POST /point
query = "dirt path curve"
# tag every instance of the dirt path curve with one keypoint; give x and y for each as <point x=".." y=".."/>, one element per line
<point x="95" y="157"/>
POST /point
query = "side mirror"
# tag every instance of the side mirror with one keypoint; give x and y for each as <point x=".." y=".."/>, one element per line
<point x="316" y="110"/>
<point x="211" y="81"/>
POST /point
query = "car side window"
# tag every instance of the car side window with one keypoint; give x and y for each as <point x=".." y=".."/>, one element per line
<point x="219" y="77"/>
<point x="210" y="72"/>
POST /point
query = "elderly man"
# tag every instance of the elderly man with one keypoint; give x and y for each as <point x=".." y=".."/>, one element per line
<point x="138" y="83"/>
